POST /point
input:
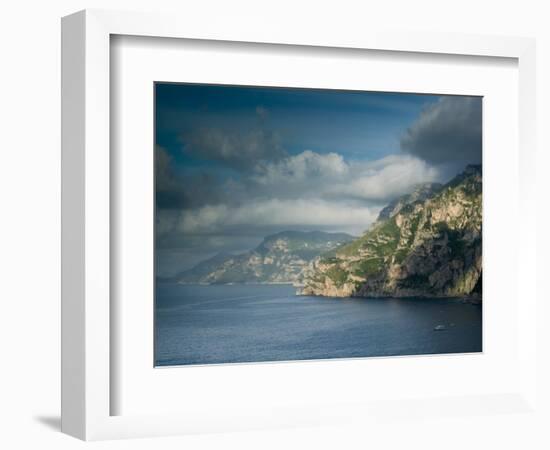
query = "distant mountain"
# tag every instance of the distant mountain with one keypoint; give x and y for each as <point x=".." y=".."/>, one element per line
<point x="203" y="269"/>
<point x="280" y="258"/>
<point x="425" y="244"/>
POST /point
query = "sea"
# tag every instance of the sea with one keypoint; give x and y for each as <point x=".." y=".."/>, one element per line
<point x="225" y="324"/>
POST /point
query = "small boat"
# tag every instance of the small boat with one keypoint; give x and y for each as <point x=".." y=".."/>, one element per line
<point x="440" y="328"/>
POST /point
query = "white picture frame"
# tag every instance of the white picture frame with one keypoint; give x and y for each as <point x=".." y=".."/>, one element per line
<point x="87" y="386"/>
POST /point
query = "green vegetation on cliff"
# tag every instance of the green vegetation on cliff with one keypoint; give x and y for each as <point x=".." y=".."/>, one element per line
<point x="427" y="243"/>
<point x="280" y="258"/>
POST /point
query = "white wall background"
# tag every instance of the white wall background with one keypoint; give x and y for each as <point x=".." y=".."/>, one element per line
<point x="29" y="227"/>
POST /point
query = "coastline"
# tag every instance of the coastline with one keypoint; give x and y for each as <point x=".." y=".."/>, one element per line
<point x="474" y="299"/>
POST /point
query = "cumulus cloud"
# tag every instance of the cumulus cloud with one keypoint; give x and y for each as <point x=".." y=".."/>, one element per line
<point x="313" y="214"/>
<point x="239" y="150"/>
<point x="308" y="190"/>
<point x="300" y="169"/>
<point x="386" y="178"/>
<point x="447" y="131"/>
<point x="330" y="176"/>
<point x="203" y="207"/>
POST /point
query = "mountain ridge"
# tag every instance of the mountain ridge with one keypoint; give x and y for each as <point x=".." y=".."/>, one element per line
<point x="280" y="258"/>
<point x="420" y="193"/>
<point x="427" y="246"/>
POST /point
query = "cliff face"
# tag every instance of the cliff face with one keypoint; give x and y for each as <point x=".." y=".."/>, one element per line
<point x="281" y="258"/>
<point x="422" y="192"/>
<point x="421" y="245"/>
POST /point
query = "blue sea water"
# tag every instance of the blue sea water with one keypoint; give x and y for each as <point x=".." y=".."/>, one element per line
<point x="197" y="324"/>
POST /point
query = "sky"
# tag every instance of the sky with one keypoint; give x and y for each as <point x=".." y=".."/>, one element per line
<point x="234" y="164"/>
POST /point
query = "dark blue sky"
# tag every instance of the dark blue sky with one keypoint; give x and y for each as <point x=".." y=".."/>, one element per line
<point x="358" y="125"/>
<point x="234" y="163"/>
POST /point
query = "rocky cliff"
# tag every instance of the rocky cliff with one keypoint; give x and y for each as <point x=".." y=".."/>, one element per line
<point x="281" y="258"/>
<point x="425" y="244"/>
<point x="422" y="192"/>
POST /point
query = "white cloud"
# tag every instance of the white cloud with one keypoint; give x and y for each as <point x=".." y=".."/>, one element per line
<point x="385" y="179"/>
<point x="309" y="213"/>
<point x="307" y="191"/>
<point x="312" y="174"/>
<point x="301" y="168"/>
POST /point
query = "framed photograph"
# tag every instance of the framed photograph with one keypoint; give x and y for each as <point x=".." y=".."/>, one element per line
<point x="298" y="224"/>
<point x="267" y="229"/>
